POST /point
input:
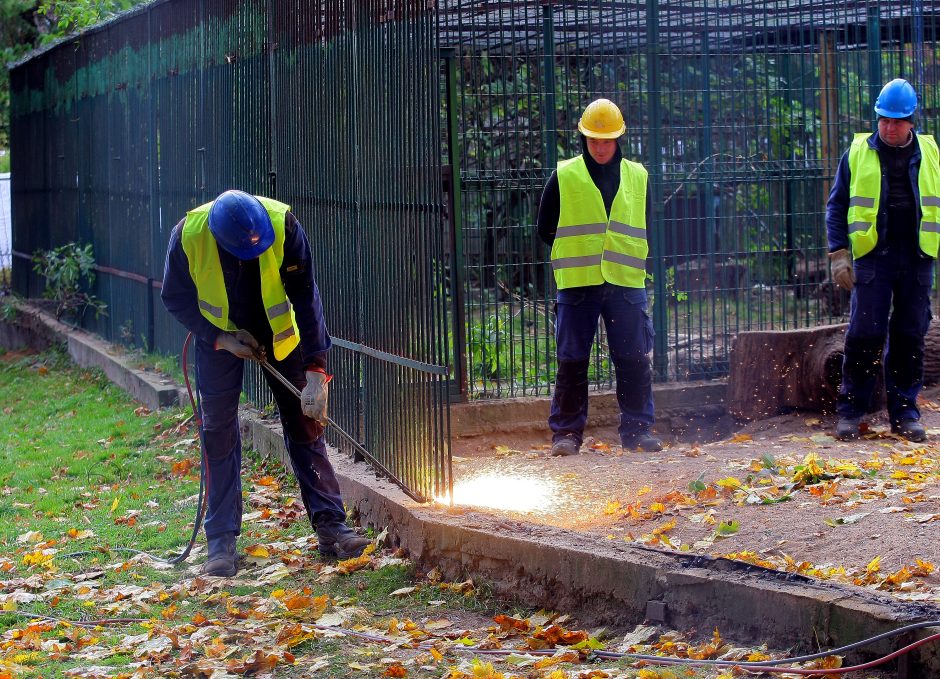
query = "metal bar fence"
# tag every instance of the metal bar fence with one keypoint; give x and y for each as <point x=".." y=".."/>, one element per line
<point x="332" y="106"/>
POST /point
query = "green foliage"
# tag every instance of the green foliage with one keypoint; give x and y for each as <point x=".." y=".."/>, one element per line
<point x="27" y="24"/>
<point x="65" y="269"/>
<point x="63" y="18"/>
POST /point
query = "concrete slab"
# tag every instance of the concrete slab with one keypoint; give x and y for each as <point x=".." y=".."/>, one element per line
<point x="612" y="583"/>
<point x="31" y="327"/>
<point x="677" y="407"/>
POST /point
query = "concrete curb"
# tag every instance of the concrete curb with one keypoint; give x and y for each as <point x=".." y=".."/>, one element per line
<point x="34" y="328"/>
<point x="603" y="582"/>
<point x="678" y="406"/>
<point x="612" y="583"/>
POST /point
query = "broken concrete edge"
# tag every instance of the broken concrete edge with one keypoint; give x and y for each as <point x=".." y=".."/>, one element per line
<point x="612" y="583"/>
<point x="675" y="405"/>
<point x="32" y="327"/>
<point x="604" y="582"/>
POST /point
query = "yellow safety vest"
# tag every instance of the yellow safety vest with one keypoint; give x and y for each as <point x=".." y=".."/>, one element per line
<point x="206" y="270"/>
<point x="590" y="247"/>
<point x="865" y="195"/>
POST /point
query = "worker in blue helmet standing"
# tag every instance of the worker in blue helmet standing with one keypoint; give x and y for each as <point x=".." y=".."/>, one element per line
<point x="239" y="276"/>
<point x="883" y="224"/>
<point x="593" y="215"/>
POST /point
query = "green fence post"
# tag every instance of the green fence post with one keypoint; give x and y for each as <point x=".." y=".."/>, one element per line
<point x="455" y="219"/>
<point x="548" y="75"/>
<point x="874" y="53"/>
<point x="655" y="168"/>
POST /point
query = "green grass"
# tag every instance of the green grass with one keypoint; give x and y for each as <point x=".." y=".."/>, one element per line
<point x="84" y="471"/>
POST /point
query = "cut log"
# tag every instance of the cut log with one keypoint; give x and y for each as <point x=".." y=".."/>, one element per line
<point x="774" y="371"/>
<point x="932" y="354"/>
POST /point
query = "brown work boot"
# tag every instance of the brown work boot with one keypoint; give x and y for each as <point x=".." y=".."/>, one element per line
<point x="339" y="541"/>
<point x="222" y="561"/>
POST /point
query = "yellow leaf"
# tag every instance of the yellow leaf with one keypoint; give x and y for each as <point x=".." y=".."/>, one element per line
<point x="657" y="507"/>
<point x="114" y="505"/>
<point x="729" y="482"/>
<point x="740" y="438"/>
<point x="350" y="565"/>
<point x="874" y="565"/>
<point x="643" y="491"/>
<point x="259" y="551"/>
<point x="436" y="654"/>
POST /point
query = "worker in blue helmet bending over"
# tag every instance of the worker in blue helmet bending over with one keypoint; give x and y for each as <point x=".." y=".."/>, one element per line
<point x="239" y="276"/>
<point x="883" y="224"/>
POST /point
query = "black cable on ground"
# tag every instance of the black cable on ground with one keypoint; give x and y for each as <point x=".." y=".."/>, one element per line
<point x="200" y="505"/>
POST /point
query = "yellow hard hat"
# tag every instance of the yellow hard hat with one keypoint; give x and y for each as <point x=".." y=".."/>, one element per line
<point x="602" y="120"/>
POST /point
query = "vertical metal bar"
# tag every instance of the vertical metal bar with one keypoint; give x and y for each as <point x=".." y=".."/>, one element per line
<point x="828" y="108"/>
<point x="272" y="98"/>
<point x="548" y="78"/>
<point x="917" y="38"/>
<point x="874" y="51"/>
<point x="455" y="222"/>
<point x="655" y="169"/>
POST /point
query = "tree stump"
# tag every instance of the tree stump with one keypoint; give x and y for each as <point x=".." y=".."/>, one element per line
<point x="932" y="354"/>
<point x="773" y="371"/>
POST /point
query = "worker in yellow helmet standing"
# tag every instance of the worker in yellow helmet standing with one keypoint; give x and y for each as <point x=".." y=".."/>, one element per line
<point x="883" y="224"/>
<point x="593" y="214"/>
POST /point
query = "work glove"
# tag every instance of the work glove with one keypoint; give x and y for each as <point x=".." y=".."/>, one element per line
<point x="239" y="342"/>
<point x="314" y="397"/>
<point x="842" y="273"/>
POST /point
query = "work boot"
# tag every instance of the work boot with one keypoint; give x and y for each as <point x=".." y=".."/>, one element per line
<point x="337" y="540"/>
<point x="847" y="428"/>
<point x="644" y="442"/>
<point x="565" y="446"/>
<point x="222" y="561"/>
<point x="912" y="430"/>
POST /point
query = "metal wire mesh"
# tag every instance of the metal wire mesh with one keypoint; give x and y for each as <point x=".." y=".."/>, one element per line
<point x="740" y="112"/>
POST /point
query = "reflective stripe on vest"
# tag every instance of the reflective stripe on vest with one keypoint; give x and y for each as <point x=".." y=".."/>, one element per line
<point x="205" y="268"/>
<point x="591" y="248"/>
<point x="928" y="181"/>
<point x="865" y="195"/>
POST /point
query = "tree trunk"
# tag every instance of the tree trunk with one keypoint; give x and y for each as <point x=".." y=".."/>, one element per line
<point x="774" y="371"/>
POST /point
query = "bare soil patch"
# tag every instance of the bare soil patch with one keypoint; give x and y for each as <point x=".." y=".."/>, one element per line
<point x="781" y="493"/>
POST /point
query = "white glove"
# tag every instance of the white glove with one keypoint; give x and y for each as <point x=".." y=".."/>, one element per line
<point x="240" y="343"/>
<point x="314" y="397"/>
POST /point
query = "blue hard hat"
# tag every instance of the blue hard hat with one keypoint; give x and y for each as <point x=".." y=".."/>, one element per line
<point x="240" y="224"/>
<point x="897" y="100"/>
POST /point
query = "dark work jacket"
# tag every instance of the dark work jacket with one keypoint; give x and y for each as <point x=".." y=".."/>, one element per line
<point x="243" y="286"/>
<point x="897" y="225"/>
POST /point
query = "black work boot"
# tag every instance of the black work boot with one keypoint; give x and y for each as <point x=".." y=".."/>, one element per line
<point x="911" y="429"/>
<point x="847" y="428"/>
<point x="566" y="445"/>
<point x="339" y="541"/>
<point x="222" y="561"/>
<point x="644" y="442"/>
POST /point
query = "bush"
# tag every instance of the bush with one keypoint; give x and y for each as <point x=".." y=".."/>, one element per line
<point x="64" y="269"/>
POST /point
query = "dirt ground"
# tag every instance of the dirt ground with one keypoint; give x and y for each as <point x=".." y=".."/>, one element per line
<point x="780" y="492"/>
